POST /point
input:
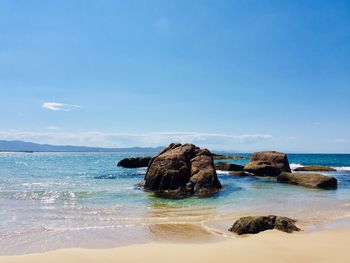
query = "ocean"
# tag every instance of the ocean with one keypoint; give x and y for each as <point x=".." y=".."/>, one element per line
<point x="62" y="200"/>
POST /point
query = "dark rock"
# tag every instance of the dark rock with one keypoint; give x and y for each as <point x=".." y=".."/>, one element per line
<point x="134" y="162"/>
<point x="256" y="224"/>
<point x="285" y="224"/>
<point x="308" y="180"/>
<point x="268" y="163"/>
<point x="240" y="173"/>
<point x="182" y="170"/>
<point x="223" y="166"/>
<point x="315" y="168"/>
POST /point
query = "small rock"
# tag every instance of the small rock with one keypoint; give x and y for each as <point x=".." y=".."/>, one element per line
<point x="134" y="162"/>
<point x="240" y="173"/>
<point x="223" y="166"/>
<point x="315" y="168"/>
<point x="256" y="224"/>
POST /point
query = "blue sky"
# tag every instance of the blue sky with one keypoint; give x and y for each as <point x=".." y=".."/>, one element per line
<point x="232" y="75"/>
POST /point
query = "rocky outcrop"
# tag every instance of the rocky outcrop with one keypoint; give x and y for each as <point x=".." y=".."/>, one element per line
<point x="312" y="180"/>
<point x="134" y="162"/>
<point x="256" y="224"/>
<point x="315" y="168"/>
<point x="268" y="163"/>
<point x="223" y="166"/>
<point x="181" y="170"/>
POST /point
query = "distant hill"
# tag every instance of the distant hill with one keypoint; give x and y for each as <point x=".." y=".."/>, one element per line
<point x="21" y="146"/>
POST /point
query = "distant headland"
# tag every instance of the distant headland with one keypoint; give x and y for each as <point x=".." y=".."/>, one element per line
<point x="29" y="147"/>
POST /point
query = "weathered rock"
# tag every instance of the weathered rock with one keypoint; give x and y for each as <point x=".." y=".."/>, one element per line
<point x="134" y="162"/>
<point x="285" y="224"/>
<point x="182" y="170"/>
<point x="223" y="166"/>
<point x="268" y="163"/>
<point x="312" y="180"/>
<point x="256" y="224"/>
<point x="315" y="168"/>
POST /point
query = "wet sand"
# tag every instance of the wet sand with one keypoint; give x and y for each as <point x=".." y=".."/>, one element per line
<point x="269" y="246"/>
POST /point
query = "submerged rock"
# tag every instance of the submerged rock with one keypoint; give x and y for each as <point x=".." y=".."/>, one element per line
<point x="223" y="166"/>
<point x="256" y="224"/>
<point x="182" y="170"/>
<point x="268" y="163"/>
<point x="315" y="168"/>
<point x="134" y="162"/>
<point x="312" y="180"/>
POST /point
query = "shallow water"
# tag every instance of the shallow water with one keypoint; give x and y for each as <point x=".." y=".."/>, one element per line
<point x="60" y="200"/>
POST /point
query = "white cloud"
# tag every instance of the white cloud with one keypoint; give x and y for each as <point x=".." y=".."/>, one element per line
<point x="57" y="106"/>
<point x="209" y="140"/>
<point x="340" y="140"/>
<point x="53" y="128"/>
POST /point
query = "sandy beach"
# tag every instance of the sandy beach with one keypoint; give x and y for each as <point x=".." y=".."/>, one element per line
<point x="269" y="246"/>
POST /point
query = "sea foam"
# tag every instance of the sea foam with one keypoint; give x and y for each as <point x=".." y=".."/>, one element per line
<point x="342" y="168"/>
<point x="295" y="165"/>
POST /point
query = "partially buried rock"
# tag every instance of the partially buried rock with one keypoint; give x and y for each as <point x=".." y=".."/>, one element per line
<point x="268" y="163"/>
<point x="134" y="162"/>
<point x="182" y="170"/>
<point x="256" y="224"/>
<point x="315" y="168"/>
<point x="223" y="166"/>
<point x="312" y="180"/>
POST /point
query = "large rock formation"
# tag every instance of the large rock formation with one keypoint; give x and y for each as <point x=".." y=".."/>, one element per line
<point x="256" y="224"/>
<point x="181" y="170"/>
<point x="315" y="168"/>
<point x="308" y="180"/>
<point x="223" y="166"/>
<point x="134" y="162"/>
<point x="268" y="163"/>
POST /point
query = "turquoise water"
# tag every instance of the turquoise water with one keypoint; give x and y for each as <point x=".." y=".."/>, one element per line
<point x="59" y="200"/>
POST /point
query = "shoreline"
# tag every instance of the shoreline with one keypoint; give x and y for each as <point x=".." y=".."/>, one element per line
<point x="272" y="245"/>
<point x="205" y="234"/>
<point x="86" y="201"/>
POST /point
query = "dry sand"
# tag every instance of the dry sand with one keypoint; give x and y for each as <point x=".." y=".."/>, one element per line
<point x="269" y="246"/>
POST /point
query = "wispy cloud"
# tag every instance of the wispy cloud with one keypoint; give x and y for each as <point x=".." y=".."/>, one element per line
<point x="53" y="128"/>
<point x="340" y="140"/>
<point x="57" y="106"/>
<point x="209" y="140"/>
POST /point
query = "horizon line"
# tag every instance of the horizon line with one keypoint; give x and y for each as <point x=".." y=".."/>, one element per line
<point x="106" y="149"/>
